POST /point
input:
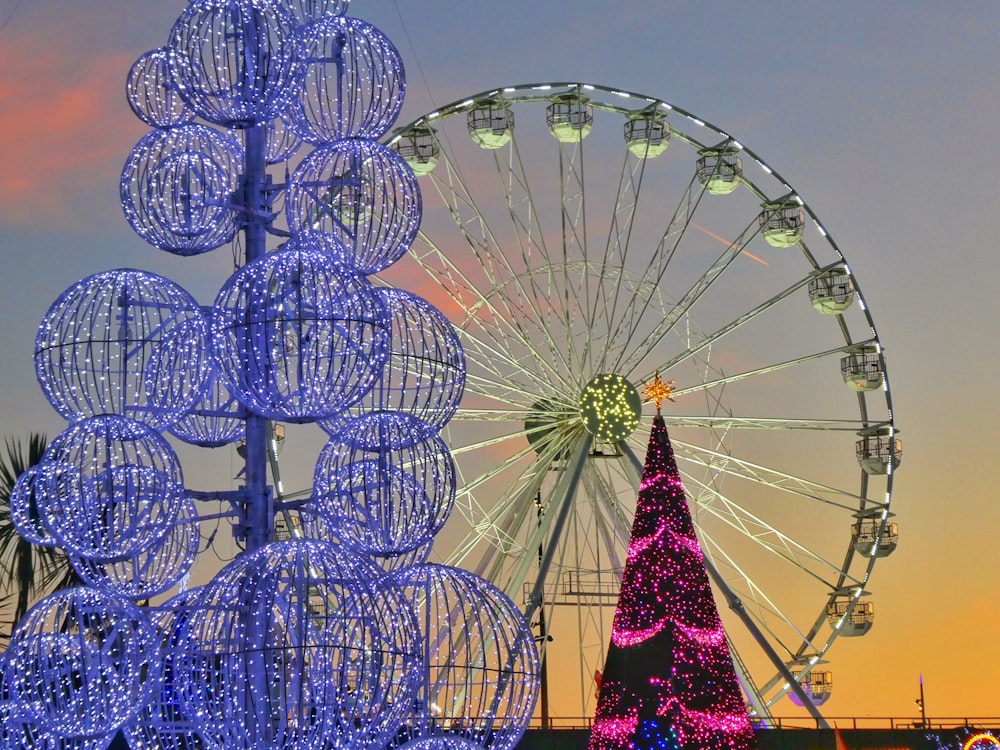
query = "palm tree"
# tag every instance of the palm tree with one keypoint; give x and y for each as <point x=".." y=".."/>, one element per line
<point x="32" y="570"/>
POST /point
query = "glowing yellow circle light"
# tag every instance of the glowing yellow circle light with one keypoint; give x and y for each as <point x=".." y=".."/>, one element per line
<point x="611" y="408"/>
<point x="982" y="737"/>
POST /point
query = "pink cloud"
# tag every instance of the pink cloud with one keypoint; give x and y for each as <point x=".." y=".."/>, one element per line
<point x="66" y="131"/>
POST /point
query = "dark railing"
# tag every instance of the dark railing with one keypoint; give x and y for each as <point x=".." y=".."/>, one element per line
<point x="805" y="722"/>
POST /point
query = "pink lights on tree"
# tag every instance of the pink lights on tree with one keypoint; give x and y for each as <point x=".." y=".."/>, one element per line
<point x="668" y="680"/>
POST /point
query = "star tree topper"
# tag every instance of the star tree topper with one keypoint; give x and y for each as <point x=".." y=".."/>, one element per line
<point x="657" y="391"/>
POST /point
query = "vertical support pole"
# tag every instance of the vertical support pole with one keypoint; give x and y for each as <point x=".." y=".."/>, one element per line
<point x="259" y="520"/>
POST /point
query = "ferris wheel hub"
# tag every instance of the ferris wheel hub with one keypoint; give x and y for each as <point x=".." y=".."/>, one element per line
<point x="610" y="407"/>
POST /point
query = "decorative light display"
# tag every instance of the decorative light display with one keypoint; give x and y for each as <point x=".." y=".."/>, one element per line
<point x="296" y="338"/>
<point x="307" y="11"/>
<point x="124" y="494"/>
<point x="151" y="94"/>
<point x="298" y="644"/>
<point x="99" y="347"/>
<point x="313" y="525"/>
<point x="424" y="373"/>
<point x="152" y="571"/>
<point x="357" y="199"/>
<point x="610" y="407"/>
<point x="388" y="500"/>
<point x="238" y="62"/>
<point x="78" y="662"/>
<point x="282" y="143"/>
<point x="307" y="644"/>
<point x="668" y="679"/>
<point x="162" y="724"/>
<point x="217" y="419"/>
<point x="24" y="501"/>
<point x="354" y="82"/>
<point x="19" y="735"/>
<point x="480" y="665"/>
<point x="176" y="188"/>
<point x="451" y="741"/>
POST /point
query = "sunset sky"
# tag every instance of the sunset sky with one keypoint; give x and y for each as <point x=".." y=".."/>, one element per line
<point x="882" y="115"/>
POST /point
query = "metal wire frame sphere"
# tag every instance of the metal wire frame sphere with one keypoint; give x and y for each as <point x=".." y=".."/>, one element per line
<point x="217" y="419"/>
<point x="151" y="94"/>
<point x="354" y="82"/>
<point x="238" y="62"/>
<point x="424" y="374"/>
<point x="311" y="524"/>
<point x="359" y="200"/>
<point x="19" y="731"/>
<point x="296" y="338"/>
<point x="307" y="11"/>
<point x="298" y="645"/>
<point x="162" y="724"/>
<point x="451" y="741"/>
<point x="281" y="143"/>
<point x="19" y="735"/>
<point x="480" y="661"/>
<point x="123" y="342"/>
<point x="80" y="660"/>
<point x="24" y="504"/>
<point x="152" y="571"/>
<point x="123" y="495"/>
<point x="176" y="188"/>
<point x="387" y="501"/>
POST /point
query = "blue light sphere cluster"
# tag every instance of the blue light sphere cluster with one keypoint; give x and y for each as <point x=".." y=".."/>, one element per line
<point x="334" y="638"/>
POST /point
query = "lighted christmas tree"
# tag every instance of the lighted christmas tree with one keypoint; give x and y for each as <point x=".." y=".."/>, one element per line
<point x="668" y="679"/>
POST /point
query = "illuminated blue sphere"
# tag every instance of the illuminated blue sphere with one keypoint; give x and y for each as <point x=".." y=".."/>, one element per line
<point x="24" y="502"/>
<point x="281" y="143"/>
<point x="358" y="200"/>
<point x="152" y="571"/>
<point x="386" y="501"/>
<point x="424" y="374"/>
<point x="177" y="185"/>
<point x="312" y="525"/>
<point x="354" y="82"/>
<point x="452" y="740"/>
<point x="238" y="62"/>
<point x="79" y="661"/>
<point x="296" y="338"/>
<point x="297" y="645"/>
<point x="123" y="342"/>
<point x="123" y="495"/>
<point x="480" y="661"/>
<point x="307" y="11"/>
<point x="162" y="724"/>
<point x="217" y="419"/>
<point x="151" y="95"/>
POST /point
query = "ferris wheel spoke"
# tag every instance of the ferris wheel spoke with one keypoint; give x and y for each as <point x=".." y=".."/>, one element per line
<point x="765" y="535"/>
<point x="488" y="250"/>
<point x="575" y="300"/>
<point x="481" y="312"/>
<point x="712" y="338"/>
<point x="764" y="423"/>
<point x="637" y="306"/>
<point x="496" y="522"/>
<point x="839" y="351"/>
<point x="767" y="477"/>
<point x="490" y="312"/>
<point x="617" y="246"/>
<point x="688" y="301"/>
<point x="765" y="612"/>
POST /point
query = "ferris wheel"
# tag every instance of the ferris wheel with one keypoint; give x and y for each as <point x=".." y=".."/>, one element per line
<point x="577" y="265"/>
